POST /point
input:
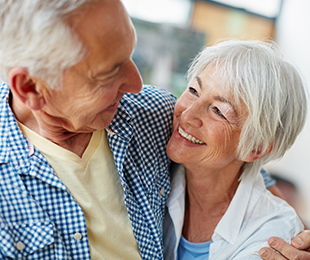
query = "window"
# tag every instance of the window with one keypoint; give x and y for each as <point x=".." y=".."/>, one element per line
<point x="266" y="8"/>
<point x="160" y="11"/>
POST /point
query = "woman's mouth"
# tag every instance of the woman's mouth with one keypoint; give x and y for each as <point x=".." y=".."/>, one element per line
<point x="189" y="137"/>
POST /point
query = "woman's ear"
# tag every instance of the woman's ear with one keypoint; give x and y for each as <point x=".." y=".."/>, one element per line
<point x="24" y="87"/>
<point x="255" y="155"/>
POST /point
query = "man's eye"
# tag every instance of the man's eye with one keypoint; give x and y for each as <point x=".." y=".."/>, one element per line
<point x="218" y="112"/>
<point x="193" y="91"/>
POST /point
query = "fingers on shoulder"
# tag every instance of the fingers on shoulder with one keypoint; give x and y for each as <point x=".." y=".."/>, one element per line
<point x="285" y="251"/>
<point x="302" y="240"/>
<point x="267" y="253"/>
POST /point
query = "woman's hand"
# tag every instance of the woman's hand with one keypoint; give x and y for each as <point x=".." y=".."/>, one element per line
<point x="298" y="250"/>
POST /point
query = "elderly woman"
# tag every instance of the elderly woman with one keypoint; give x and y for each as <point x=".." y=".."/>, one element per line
<point x="244" y="106"/>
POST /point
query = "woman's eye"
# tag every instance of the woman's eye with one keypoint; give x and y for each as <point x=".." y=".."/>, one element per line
<point x="193" y="91"/>
<point x="218" y="112"/>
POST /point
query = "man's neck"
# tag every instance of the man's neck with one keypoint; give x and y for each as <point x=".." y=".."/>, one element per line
<point x="74" y="142"/>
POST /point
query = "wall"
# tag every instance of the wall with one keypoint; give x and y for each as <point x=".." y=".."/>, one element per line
<point x="293" y="36"/>
<point x="218" y="22"/>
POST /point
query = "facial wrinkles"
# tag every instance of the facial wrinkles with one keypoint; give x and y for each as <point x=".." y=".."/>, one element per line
<point x="229" y="113"/>
<point x="231" y="134"/>
<point x="50" y="126"/>
<point x="232" y="127"/>
<point x="234" y="110"/>
<point x="223" y="144"/>
<point x="65" y="115"/>
<point x="104" y="78"/>
<point x="90" y="87"/>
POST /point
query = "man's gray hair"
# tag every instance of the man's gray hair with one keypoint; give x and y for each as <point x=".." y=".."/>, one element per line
<point x="271" y="88"/>
<point x="34" y="34"/>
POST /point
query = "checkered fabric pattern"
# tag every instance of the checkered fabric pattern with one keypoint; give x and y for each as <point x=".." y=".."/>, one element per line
<point x="269" y="182"/>
<point x="39" y="218"/>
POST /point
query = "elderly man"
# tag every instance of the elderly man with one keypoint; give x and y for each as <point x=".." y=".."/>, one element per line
<point x="83" y="168"/>
<point x="68" y="64"/>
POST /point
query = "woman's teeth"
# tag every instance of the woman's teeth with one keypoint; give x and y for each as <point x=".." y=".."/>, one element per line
<point x="189" y="137"/>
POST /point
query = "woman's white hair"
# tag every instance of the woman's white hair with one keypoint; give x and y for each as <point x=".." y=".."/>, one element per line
<point x="271" y="89"/>
<point x="34" y="34"/>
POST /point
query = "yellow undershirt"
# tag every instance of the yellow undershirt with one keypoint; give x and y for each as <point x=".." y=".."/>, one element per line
<point x="94" y="182"/>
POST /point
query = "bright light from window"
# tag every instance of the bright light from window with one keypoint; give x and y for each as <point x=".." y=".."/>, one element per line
<point x="268" y="8"/>
<point x="160" y="11"/>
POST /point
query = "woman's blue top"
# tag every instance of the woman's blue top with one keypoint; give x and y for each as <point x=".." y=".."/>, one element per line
<point x="188" y="250"/>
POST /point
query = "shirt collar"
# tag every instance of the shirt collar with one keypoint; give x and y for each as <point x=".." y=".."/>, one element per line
<point x="14" y="144"/>
<point x="178" y="185"/>
<point x="120" y="124"/>
<point x="229" y="226"/>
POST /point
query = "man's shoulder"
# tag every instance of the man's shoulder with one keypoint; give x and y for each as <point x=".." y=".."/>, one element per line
<point x="149" y="112"/>
<point x="150" y="97"/>
<point x="4" y="89"/>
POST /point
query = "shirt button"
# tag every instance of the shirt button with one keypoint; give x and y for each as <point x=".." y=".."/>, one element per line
<point x="162" y="191"/>
<point x="77" y="236"/>
<point x="20" y="246"/>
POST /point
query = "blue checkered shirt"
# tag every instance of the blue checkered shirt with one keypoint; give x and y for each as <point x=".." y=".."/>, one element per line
<point x="39" y="218"/>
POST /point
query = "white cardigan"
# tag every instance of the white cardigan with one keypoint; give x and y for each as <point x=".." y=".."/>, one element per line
<point x="253" y="216"/>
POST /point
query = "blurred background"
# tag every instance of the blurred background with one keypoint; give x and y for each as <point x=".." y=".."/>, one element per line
<point x="171" y="32"/>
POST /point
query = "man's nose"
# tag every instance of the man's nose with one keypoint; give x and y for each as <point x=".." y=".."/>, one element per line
<point x="132" y="79"/>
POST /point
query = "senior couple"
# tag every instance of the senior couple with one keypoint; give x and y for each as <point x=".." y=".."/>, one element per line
<point x="84" y="168"/>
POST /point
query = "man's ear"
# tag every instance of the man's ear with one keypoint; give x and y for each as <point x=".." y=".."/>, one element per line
<point x="25" y="88"/>
<point x="255" y="155"/>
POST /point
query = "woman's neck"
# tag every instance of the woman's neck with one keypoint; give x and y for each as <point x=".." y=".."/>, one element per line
<point x="208" y="196"/>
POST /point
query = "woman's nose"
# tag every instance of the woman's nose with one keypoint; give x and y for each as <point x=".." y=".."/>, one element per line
<point x="192" y="115"/>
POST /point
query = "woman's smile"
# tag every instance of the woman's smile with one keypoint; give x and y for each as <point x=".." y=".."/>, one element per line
<point x="189" y="137"/>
